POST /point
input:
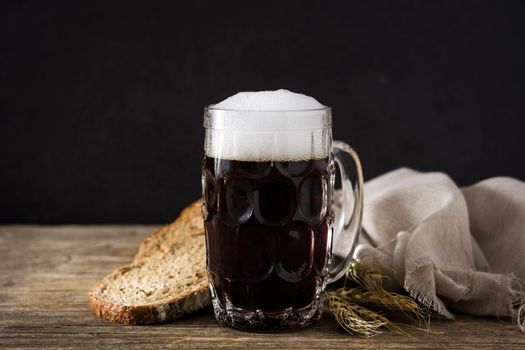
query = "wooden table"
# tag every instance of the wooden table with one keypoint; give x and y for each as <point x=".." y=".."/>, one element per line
<point x="46" y="272"/>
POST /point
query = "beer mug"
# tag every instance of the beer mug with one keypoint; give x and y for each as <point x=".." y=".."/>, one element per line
<point x="273" y="237"/>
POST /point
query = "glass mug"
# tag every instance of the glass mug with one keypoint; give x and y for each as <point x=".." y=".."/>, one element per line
<point x="268" y="180"/>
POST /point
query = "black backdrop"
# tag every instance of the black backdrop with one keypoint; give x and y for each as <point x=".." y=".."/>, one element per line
<point x="101" y="102"/>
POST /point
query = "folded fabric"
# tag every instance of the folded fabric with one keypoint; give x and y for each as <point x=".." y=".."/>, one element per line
<point x="450" y="248"/>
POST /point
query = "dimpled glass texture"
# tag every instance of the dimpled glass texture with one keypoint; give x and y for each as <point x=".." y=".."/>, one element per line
<point x="268" y="230"/>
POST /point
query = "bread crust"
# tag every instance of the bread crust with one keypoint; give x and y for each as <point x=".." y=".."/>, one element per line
<point x="168" y="238"/>
<point x="149" y="314"/>
<point x="189" y="222"/>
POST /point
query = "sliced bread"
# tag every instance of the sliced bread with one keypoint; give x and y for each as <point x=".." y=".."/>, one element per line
<point x="166" y="280"/>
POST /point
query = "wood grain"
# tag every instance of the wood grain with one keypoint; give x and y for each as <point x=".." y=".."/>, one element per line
<point x="45" y="273"/>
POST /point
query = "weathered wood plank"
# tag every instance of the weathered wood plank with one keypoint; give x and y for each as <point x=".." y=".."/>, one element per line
<point x="45" y="273"/>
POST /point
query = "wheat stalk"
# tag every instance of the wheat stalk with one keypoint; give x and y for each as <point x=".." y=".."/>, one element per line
<point x="356" y="309"/>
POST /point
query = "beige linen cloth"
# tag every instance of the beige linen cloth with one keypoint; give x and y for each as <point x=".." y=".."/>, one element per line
<point x="450" y="248"/>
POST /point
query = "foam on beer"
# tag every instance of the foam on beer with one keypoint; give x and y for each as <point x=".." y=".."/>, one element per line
<point x="277" y="100"/>
<point x="268" y="125"/>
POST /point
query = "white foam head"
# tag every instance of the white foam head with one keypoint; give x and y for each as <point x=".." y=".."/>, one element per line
<point x="276" y="100"/>
<point x="268" y="125"/>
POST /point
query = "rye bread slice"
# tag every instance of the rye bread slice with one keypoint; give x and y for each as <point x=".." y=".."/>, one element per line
<point x="166" y="280"/>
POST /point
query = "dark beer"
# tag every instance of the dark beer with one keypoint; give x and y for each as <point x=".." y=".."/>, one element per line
<point x="268" y="226"/>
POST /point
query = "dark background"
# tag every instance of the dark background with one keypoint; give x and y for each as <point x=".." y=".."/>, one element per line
<point x="101" y="102"/>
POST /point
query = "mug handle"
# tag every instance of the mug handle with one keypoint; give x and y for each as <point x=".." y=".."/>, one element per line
<point x="348" y="221"/>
